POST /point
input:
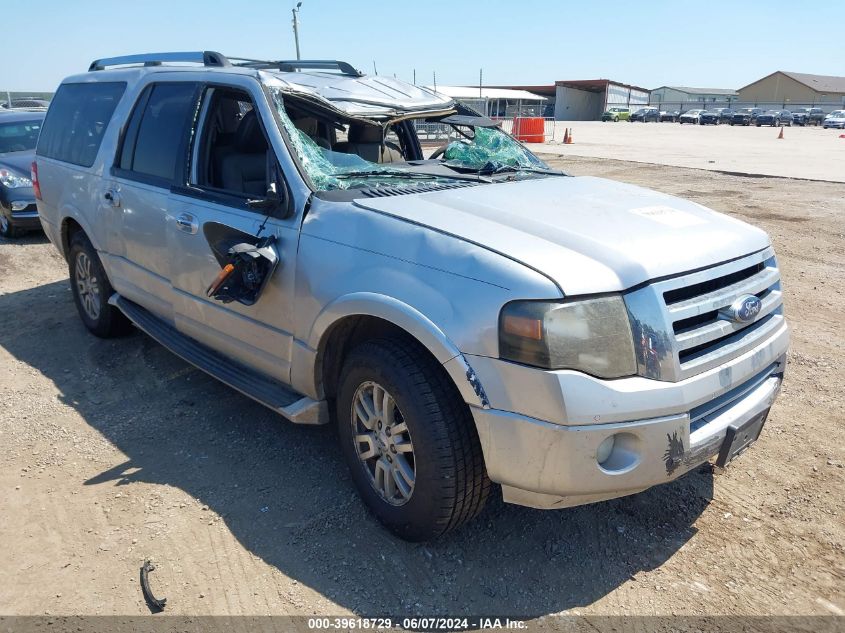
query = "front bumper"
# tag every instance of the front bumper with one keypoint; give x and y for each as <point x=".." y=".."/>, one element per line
<point x="663" y="429"/>
<point x="26" y="218"/>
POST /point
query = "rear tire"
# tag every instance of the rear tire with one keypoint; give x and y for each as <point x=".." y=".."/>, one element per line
<point x="433" y="431"/>
<point x="91" y="290"/>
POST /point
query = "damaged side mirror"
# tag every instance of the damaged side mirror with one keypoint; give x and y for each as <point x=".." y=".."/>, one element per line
<point x="246" y="272"/>
<point x="247" y="262"/>
<point x="270" y="202"/>
<point x="276" y="200"/>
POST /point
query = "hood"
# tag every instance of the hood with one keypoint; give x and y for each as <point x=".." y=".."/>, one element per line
<point x="589" y="235"/>
<point x="19" y="162"/>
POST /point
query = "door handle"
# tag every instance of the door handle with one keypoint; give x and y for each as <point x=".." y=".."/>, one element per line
<point x="187" y="223"/>
<point x="112" y="197"/>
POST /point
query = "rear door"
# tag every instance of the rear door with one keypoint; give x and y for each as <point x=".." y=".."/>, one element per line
<point x="232" y="162"/>
<point x="146" y="167"/>
<point x="68" y="148"/>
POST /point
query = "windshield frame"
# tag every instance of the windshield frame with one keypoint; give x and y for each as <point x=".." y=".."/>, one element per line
<point x="322" y="175"/>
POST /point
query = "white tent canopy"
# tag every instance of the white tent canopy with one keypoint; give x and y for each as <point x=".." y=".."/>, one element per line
<point x="496" y="102"/>
<point x="469" y="92"/>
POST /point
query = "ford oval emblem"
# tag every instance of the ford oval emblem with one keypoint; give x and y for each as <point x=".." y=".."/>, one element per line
<point x="745" y="309"/>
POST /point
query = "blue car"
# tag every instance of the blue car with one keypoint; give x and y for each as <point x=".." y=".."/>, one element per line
<point x="18" y="135"/>
<point x="775" y="118"/>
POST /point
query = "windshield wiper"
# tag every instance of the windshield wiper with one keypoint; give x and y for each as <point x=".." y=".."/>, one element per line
<point x="533" y="170"/>
<point x="381" y="174"/>
<point x="411" y="175"/>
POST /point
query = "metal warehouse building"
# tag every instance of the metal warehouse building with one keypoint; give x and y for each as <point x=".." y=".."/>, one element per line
<point x="783" y="89"/>
<point x="691" y="97"/>
<point x="586" y="99"/>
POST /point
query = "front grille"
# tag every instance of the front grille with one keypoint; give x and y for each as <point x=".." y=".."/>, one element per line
<point x="691" y="313"/>
<point x="704" y="335"/>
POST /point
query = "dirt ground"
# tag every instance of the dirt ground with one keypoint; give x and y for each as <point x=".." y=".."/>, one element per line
<point x="117" y="451"/>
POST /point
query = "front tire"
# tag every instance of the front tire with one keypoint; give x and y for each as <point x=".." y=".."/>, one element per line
<point x="6" y="229"/>
<point x="91" y="290"/>
<point x="409" y="440"/>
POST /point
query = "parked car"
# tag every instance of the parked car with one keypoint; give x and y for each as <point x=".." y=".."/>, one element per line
<point x="835" y="119"/>
<point x="746" y="116"/>
<point x="18" y="135"/>
<point x="669" y="115"/>
<point x="725" y="115"/>
<point x="29" y="102"/>
<point x="616" y="114"/>
<point x="808" y="116"/>
<point x="645" y="115"/>
<point x="709" y="117"/>
<point x="774" y="118"/>
<point x="690" y="116"/>
<point x="283" y="231"/>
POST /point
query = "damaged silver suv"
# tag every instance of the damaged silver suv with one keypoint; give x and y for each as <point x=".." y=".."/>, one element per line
<point x="465" y="315"/>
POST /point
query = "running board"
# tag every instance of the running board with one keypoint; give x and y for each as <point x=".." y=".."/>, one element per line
<point x="271" y="393"/>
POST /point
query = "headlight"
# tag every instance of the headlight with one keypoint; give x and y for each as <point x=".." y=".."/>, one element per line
<point x="590" y="335"/>
<point x="12" y="180"/>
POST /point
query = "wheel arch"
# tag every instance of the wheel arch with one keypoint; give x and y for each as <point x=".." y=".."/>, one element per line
<point x="361" y="316"/>
<point x="72" y="222"/>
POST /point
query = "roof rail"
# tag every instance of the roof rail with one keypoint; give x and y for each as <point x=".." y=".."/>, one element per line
<point x="294" y="65"/>
<point x="206" y="58"/>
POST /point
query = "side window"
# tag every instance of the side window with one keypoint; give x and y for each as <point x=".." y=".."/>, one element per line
<point x="155" y="136"/>
<point x="78" y="117"/>
<point x="232" y="155"/>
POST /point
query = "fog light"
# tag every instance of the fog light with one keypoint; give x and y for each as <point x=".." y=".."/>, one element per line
<point x="620" y="453"/>
<point x="19" y="205"/>
<point x="605" y="449"/>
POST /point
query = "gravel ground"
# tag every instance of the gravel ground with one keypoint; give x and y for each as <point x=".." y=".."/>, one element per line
<point x="117" y="451"/>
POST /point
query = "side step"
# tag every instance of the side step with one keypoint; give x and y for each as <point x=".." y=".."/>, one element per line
<point x="271" y="393"/>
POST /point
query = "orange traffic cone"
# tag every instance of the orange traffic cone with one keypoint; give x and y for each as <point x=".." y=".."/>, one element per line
<point x="566" y="136"/>
<point x="780" y="136"/>
<point x="571" y="141"/>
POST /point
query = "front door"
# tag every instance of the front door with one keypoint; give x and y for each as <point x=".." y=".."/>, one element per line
<point x="232" y="163"/>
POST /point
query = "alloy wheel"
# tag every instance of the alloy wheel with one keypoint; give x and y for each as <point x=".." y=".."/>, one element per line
<point x="87" y="286"/>
<point x="383" y="443"/>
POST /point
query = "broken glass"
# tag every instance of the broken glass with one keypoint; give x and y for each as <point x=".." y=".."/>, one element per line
<point x="490" y="150"/>
<point x="328" y="169"/>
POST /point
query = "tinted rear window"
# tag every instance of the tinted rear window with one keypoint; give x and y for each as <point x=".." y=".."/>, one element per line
<point x="160" y="130"/>
<point x="78" y="117"/>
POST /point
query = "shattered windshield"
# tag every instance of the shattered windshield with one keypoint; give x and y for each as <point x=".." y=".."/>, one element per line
<point x="490" y="150"/>
<point x="356" y="153"/>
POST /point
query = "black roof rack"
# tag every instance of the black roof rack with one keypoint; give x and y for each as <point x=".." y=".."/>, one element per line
<point x="206" y="58"/>
<point x="294" y="65"/>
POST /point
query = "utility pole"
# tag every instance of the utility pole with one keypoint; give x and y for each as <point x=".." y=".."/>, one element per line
<point x="434" y="76"/>
<point x="415" y="76"/>
<point x="480" y="81"/>
<point x="375" y="70"/>
<point x="295" y="12"/>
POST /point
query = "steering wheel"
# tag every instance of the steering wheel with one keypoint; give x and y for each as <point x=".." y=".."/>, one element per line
<point x="439" y="151"/>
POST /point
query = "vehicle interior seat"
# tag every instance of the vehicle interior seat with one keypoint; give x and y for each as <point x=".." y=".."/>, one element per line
<point x="366" y="142"/>
<point x="310" y="126"/>
<point x="245" y="169"/>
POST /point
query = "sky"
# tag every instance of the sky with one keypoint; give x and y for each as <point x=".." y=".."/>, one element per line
<point x="650" y="43"/>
